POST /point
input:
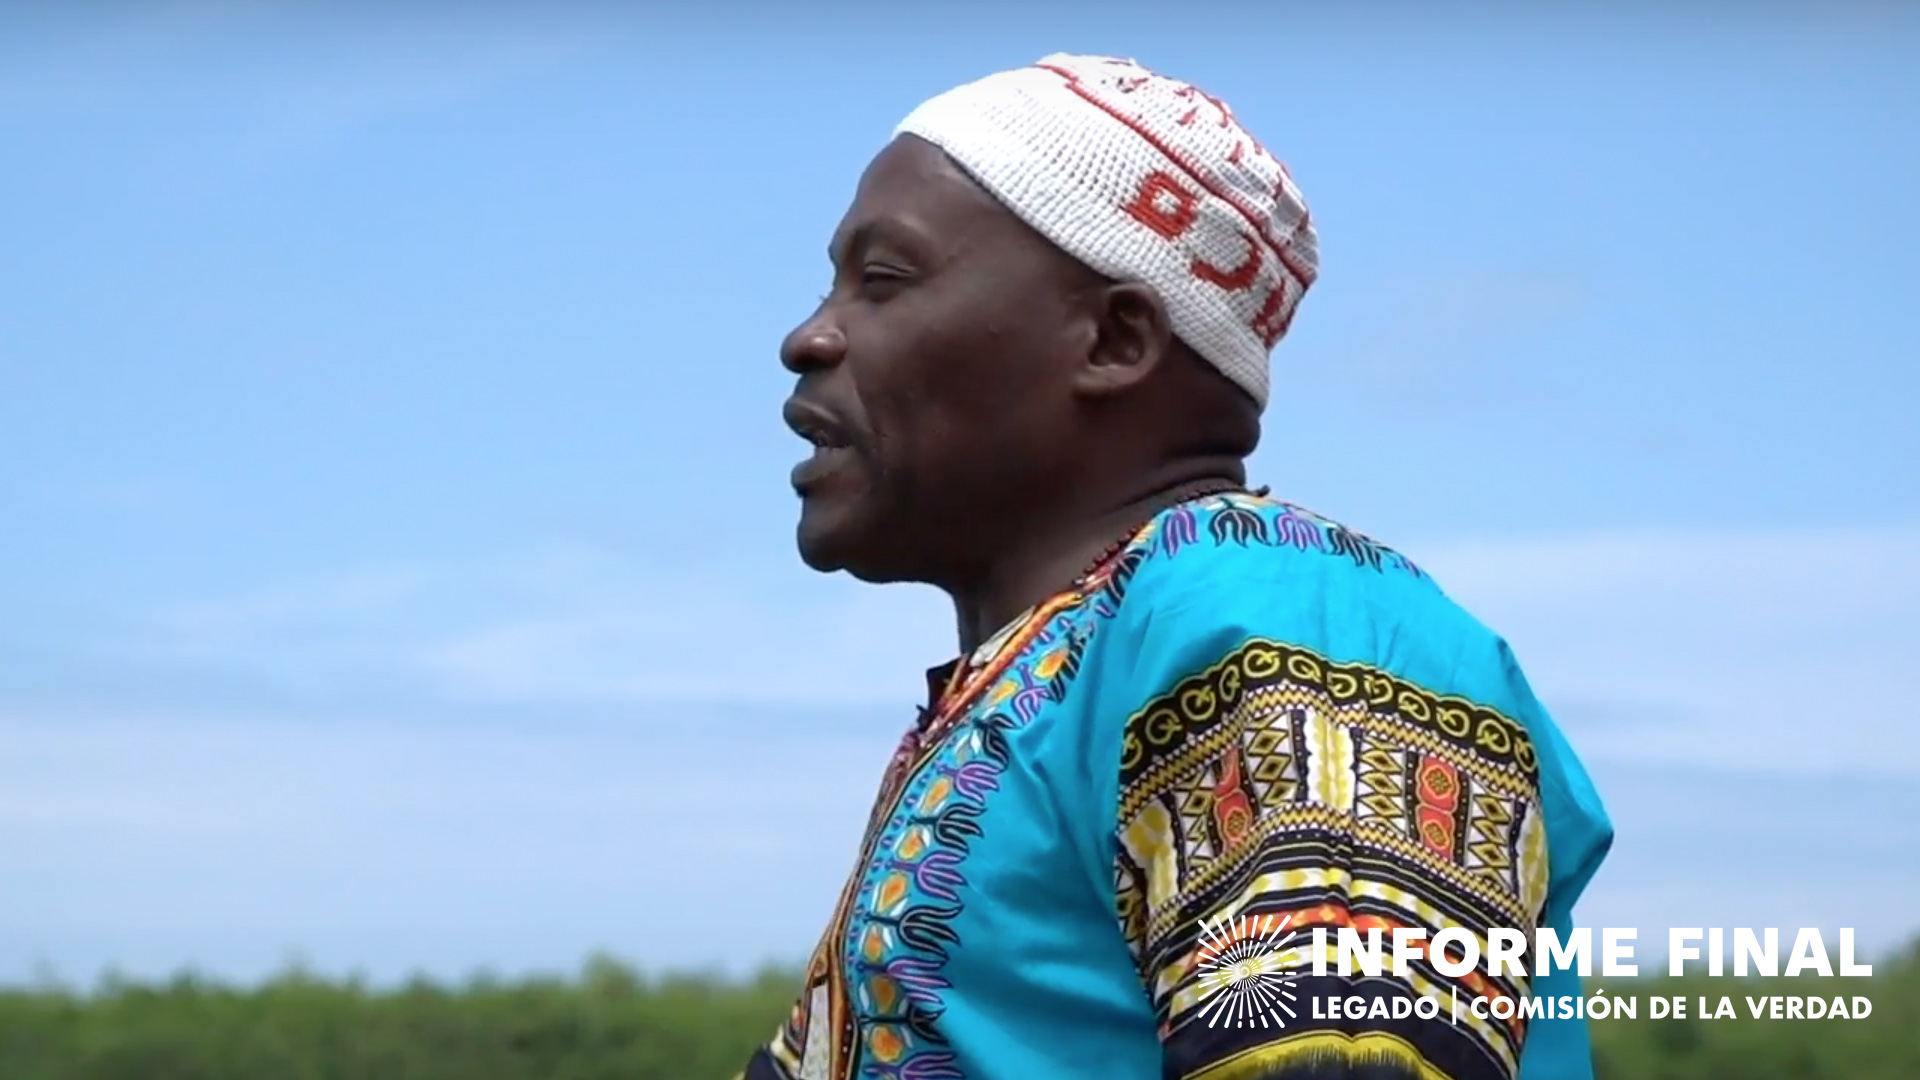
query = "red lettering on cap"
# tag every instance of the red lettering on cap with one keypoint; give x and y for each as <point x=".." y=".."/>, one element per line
<point x="1147" y="207"/>
<point x="1190" y="91"/>
<point x="1237" y="278"/>
<point x="1268" y="322"/>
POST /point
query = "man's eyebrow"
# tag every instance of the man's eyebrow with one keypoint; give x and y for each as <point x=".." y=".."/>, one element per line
<point x="849" y="240"/>
<point x="879" y="229"/>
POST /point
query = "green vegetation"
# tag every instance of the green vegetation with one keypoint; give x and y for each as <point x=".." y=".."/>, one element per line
<point x="1884" y="1046"/>
<point x="607" y="1024"/>
<point x="610" y="1023"/>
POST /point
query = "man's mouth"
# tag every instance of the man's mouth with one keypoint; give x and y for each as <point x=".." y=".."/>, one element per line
<point x="815" y="424"/>
<point x="823" y="437"/>
<point x="832" y="446"/>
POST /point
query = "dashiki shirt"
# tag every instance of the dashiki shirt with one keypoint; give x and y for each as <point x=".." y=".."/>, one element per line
<point x="1249" y="718"/>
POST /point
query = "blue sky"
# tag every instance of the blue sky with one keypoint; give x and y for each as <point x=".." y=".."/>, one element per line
<point x="394" y="532"/>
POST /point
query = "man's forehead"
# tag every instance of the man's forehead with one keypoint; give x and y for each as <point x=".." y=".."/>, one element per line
<point x="915" y="186"/>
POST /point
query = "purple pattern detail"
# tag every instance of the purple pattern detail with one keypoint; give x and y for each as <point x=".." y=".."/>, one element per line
<point x="921" y="979"/>
<point x="936" y="1066"/>
<point x="1181" y="528"/>
<point x="1299" y="531"/>
<point x="1027" y="703"/>
<point x="941" y="1066"/>
<point x="974" y="779"/>
<point x="937" y="874"/>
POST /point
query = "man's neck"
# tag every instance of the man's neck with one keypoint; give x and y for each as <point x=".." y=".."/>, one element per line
<point x="1056" y="552"/>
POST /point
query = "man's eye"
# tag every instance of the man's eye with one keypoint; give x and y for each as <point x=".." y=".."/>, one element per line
<point x="881" y="277"/>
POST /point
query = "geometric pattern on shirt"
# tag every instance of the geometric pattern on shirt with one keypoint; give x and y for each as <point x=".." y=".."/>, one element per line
<point x="872" y="1000"/>
<point x="835" y="1001"/>
<point x="1247" y="520"/>
<point x="1279" y="782"/>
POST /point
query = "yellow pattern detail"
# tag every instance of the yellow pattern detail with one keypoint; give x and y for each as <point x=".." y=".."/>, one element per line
<point x="1533" y="861"/>
<point x="1332" y="760"/>
<point x="884" y="1044"/>
<point x="913" y="844"/>
<point x="1050" y="664"/>
<point x="1370" y="1048"/>
<point x="1149" y="840"/>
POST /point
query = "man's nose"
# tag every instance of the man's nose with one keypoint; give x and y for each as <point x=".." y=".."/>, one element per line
<point x="813" y="345"/>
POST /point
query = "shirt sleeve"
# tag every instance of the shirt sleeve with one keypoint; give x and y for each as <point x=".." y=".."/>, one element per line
<point x="1266" y="791"/>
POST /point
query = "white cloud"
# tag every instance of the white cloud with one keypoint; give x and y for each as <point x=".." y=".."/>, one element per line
<point x="238" y="618"/>
<point x="146" y="840"/>
<point x="1762" y="650"/>
<point x="568" y="626"/>
<point x="1780" y="650"/>
<point x="1697" y="672"/>
<point x="844" y="645"/>
<point x="1703" y="848"/>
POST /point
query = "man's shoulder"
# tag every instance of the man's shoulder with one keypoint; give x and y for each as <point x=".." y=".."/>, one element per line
<point x="1262" y="547"/>
<point x="1243" y="567"/>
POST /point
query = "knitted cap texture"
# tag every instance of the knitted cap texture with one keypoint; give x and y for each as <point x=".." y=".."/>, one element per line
<point x="1142" y="178"/>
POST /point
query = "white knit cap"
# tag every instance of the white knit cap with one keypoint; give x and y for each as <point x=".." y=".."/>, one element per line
<point x="1142" y="178"/>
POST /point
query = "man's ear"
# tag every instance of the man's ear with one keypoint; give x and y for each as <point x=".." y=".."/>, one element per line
<point x="1133" y="337"/>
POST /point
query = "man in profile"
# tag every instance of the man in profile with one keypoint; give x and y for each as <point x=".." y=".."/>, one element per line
<point x="1188" y="723"/>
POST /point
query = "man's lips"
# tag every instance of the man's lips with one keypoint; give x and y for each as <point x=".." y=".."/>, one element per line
<point x="815" y="424"/>
<point x="832" y="445"/>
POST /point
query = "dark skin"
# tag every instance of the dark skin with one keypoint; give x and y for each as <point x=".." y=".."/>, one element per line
<point x="989" y="414"/>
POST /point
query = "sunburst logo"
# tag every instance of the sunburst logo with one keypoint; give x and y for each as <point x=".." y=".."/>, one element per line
<point x="1248" y="968"/>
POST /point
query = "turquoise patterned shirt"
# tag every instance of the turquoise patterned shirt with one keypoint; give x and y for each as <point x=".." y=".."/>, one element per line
<point x="1250" y="723"/>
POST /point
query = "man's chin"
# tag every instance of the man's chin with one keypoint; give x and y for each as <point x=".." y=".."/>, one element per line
<point x="827" y="540"/>
<point x="819" y="553"/>
<point x="831" y="546"/>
